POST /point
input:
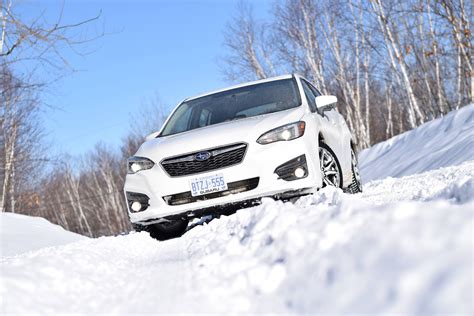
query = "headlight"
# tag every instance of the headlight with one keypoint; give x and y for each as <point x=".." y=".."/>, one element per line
<point x="135" y="164"/>
<point x="283" y="133"/>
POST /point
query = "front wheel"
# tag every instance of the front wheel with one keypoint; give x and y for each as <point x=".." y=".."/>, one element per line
<point x="330" y="168"/>
<point x="167" y="230"/>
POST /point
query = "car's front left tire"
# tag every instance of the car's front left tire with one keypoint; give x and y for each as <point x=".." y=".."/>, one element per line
<point x="330" y="168"/>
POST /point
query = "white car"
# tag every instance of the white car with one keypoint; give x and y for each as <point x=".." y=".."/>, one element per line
<point x="276" y="137"/>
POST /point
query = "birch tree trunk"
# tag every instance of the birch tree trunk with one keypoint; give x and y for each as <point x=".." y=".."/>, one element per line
<point x="4" y="12"/>
<point x="73" y="193"/>
<point x="462" y="34"/>
<point x="398" y="62"/>
<point x="442" y="100"/>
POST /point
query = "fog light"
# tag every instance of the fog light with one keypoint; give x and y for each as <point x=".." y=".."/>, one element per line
<point x="300" y="172"/>
<point x="136" y="206"/>
<point x="137" y="202"/>
<point x="293" y="169"/>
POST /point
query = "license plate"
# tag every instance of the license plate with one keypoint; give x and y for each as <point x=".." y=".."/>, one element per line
<point x="209" y="184"/>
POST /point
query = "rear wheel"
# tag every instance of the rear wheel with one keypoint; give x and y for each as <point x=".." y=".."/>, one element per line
<point x="330" y="168"/>
<point x="356" y="184"/>
<point x="167" y="230"/>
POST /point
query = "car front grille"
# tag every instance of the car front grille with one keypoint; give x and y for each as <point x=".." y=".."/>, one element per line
<point x="220" y="157"/>
<point x="232" y="188"/>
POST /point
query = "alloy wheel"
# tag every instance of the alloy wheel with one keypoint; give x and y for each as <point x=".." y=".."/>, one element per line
<point x="329" y="168"/>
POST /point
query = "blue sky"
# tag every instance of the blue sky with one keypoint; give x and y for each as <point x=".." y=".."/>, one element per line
<point x="165" y="47"/>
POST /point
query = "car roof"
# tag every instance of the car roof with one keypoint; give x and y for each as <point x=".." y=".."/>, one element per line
<point x="288" y="76"/>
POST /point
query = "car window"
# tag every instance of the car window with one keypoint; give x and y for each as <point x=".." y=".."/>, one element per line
<point x="310" y="96"/>
<point x="315" y="91"/>
<point x="204" y="118"/>
<point x="180" y="120"/>
<point x="258" y="110"/>
<point x="234" y="104"/>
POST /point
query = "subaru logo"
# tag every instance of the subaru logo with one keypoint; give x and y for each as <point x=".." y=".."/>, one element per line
<point x="202" y="156"/>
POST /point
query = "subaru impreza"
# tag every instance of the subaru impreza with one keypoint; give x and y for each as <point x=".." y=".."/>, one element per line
<point x="277" y="137"/>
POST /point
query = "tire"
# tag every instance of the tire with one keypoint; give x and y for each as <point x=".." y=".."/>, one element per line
<point x="167" y="230"/>
<point x="356" y="184"/>
<point x="330" y="168"/>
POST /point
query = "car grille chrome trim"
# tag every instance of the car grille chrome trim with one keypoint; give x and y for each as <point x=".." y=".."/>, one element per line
<point x="221" y="157"/>
<point x="232" y="188"/>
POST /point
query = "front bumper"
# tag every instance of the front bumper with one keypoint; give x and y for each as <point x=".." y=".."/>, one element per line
<point x="259" y="162"/>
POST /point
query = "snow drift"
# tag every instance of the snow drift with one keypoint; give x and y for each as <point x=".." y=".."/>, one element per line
<point x="403" y="246"/>
<point x="20" y="233"/>
<point x="440" y="143"/>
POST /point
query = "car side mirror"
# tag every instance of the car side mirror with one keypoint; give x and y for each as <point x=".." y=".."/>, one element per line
<point x="324" y="101"/>
<point x="152" y="135"/>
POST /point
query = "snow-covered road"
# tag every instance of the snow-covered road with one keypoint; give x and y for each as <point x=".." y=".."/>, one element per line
<point x="403" y="246"/>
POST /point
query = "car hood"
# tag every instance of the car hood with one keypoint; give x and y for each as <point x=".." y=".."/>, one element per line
<point x="242" y="130"/>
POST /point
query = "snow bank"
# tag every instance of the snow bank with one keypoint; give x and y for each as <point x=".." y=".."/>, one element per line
<point x="377" y="252"/>
<point x="332" y="253"/>
<point x="20" y="233"/>
<point x="452" y="184"/>
<point x="440" y="143"/>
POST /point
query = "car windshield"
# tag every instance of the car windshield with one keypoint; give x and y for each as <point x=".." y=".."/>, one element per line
<point x="258" y="99"/>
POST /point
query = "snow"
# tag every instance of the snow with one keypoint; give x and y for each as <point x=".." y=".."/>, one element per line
<point x="440" y="143"/>
<point x="20" y="233"/>
<point x="404" y="246"/>
<point x="453" y="184"/>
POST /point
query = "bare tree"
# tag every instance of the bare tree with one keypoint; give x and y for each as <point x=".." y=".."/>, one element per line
<point x="397" y="60"/>
<point x="249" y="46"/>
<point x="85" y="195"/>
<point x="299" y="42"/>
<point x="40" y="44"/>
<point x="36" y="40"/>
<point x="20" y="135"/>
<point x="402" y="62"/>
<point x="457" y="15"/>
